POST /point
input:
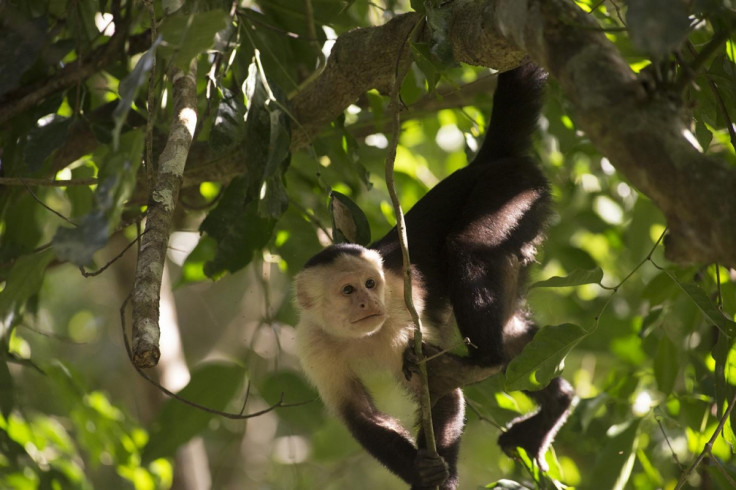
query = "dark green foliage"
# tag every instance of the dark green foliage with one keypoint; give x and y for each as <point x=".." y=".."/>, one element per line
<point x="648" y="344"/>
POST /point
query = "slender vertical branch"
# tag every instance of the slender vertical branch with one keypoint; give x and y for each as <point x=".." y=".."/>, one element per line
<point x="395" y="124"/>
<point x="161" y="204"/>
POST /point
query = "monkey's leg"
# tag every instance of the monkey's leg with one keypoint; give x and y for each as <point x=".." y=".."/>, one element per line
<point x="446" y="371"/>
<point x="448" y="421"/>
<point x="534" y="432"/>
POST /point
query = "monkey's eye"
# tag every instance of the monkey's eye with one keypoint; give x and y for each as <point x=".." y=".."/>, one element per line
<point x="347" y="289"/>
<point x="370" y="284"/>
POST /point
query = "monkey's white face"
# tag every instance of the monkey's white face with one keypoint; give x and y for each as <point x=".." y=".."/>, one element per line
<point x="356" y="300"/>
<point x="347" y="297"/>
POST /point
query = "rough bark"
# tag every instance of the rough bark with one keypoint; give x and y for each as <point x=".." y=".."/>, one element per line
<point x="643" y="134"/>
<point x="161" y="204"/>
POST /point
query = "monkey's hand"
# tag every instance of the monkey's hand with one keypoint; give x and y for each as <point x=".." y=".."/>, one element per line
<point x="445" y="371"/>
<point x="411" y="360"/>
<point x="431" y="470"/>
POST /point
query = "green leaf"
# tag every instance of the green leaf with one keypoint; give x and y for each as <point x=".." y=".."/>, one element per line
<point x="213" y="386"/>
<point x="24" y="282"/>
<point x="188" y="35"/>
<point x="349" y="222"/>
<point x="706" y="306"/>
<point x="438" y="19"/>
<point x="267" y="138"/>
<point x="43" y="140"/>
<point x="720" y="352"/>
<point x="78" y="245"/>
<point x="245" y="217"/>
<point x="117" y="179"/>
<point x="426" y="63"/>
<point x="666" y="365"/>
<point x="616" y="460"/>
<point x="575" y="278"/>
<point x="542" y="359"/>
<point x="238" y="229"/>
<point x="659" y="289"/>
<point x="193" y="268"/>
<point x="228" y="128"/>
<point x="129" y="86"/>
<point x="508" y="485"/>
<point x="19" y="46"/>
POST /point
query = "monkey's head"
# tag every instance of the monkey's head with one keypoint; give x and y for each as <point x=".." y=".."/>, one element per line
<point x="342" y="290"/>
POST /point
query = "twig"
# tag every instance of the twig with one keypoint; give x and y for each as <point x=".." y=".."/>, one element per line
<point x="221" y="413"/>
<point x="39" y="201"/>
<point x="45" y="182"/>
<point x="667" y="440"/>
<point x="114" y="259"/>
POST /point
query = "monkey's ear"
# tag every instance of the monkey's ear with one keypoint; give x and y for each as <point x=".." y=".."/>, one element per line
<point x="303" y="285"/>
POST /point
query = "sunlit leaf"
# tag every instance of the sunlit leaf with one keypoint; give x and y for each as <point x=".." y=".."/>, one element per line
<point x="706" y="306"/>
<point x="542" y="358"/>
<point x="117" y="179"/>
<point x="25" y="280"/>
<point x="349" y="222"/>
<point x="575" y="278"/>
<point x="616" y="459"/>
<point x="238" y="229"/>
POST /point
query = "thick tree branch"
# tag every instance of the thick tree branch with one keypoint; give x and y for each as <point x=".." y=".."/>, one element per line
<point x="161" y="204"/>
<point x="643" y="134"/>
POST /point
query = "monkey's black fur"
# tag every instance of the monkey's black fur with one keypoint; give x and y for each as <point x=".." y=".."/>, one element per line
<point x="470" y="239"/>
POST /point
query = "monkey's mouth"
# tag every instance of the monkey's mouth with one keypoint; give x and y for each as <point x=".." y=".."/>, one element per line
<point x="368" y="317"/>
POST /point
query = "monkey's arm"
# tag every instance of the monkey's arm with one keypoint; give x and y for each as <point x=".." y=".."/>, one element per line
<point x="388" y="441"/>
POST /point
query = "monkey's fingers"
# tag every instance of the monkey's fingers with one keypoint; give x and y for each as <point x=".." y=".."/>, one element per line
<point x="410" y="365"/>
<point x="431" y="468"/>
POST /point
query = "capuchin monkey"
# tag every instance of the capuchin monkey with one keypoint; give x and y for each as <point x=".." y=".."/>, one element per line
<point x="470" y="239"/>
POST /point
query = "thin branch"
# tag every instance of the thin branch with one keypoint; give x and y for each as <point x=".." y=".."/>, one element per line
<point x="229" y="415"/>
<point x="46" y="182"/>
<point x="424" y="396"/>
<point x="151" y="101"/>
<point x="708" y="448"/>
<point x="114" y="259"/>
<point x="667" y="440"/>
<point x="25" y="98"/>
<point x="39" y="201"/>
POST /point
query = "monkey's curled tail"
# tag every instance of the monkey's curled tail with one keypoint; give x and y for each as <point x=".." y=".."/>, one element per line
<point x="517" y="104"/>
